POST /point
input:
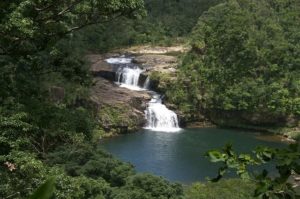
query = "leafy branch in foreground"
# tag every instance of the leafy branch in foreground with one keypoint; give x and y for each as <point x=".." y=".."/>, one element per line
<point x="267" y="185"/>
<point x="45" y="191"/>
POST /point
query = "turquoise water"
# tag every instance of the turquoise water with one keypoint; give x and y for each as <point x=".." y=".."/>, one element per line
<point x="180" y="156"/>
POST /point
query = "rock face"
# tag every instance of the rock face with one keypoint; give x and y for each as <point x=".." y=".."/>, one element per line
<point x="160" y="59"/>
<point x="156" y="50"/>
<point x="100" y="68"/>
<point x="159" y="63"/>
<point x="107" y="92"/>
<point x="120" y="110"/>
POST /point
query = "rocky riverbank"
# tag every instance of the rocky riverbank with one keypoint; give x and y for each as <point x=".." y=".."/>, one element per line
<point x="121" y="110"/>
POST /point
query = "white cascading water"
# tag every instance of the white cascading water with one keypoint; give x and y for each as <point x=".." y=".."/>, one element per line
<point x="119" y="60"/>
<point x="129" y="77"/>
<point x="158" y="116"/>
<point x="147" y="83"/>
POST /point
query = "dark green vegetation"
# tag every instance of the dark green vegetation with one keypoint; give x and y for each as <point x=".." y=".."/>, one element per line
<point x="46" y="127"/>
<point x="225" y="189"/>
<point x="113" y="119"/>
<point x="267" y="186"/>
<point x="167" y="22"/>
<point x="244" y="66"/>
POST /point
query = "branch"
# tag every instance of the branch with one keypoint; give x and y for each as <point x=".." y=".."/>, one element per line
<point x="14" y="194"/>
<point x="76" y="28"/>
<point x="43" y="9"/>
<point x="58" y="14"/>
<point x="69" y="8"/>
<point x="5" y="35"/>
<point x="36" y="145"/>
<point x="2" y="51"/>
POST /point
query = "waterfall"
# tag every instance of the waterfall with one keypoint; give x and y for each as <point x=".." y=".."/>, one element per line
<point x="159" y="117"/>
<point x="128" y="74"/>
<point x="119" y="60"/>
<point x="129" y="77"/>
<point x="147" y="83"/>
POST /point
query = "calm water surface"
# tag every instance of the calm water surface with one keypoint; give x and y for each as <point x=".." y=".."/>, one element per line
<point x="180" y="156"/>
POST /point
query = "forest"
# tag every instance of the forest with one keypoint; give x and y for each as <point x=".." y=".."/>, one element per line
<point x="246" y="68"/>
<point x="242" y="70"/>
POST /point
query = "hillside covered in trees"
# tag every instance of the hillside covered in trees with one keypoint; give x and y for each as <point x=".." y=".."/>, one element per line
<point x="243" y="67"/>
<point x="163" y="23"/>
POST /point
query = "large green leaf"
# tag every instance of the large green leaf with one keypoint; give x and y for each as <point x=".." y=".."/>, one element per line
<point x="45" y="191"/>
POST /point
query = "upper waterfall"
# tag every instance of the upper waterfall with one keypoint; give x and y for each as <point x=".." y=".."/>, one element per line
<point x="128" y="74"/>
<point x="129" y="77"/>
<point x="119" y="60"/>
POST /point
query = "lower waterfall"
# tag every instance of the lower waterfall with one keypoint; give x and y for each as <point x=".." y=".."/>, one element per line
<point x="158" y="116"/>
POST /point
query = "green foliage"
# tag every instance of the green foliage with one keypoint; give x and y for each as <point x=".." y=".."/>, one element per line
<point x="146" y="186"/>
<point x="160" y="81"/>
<point x="80" y="187"/>
<point x="117" y="119"/>
<point x="45" y="191"/>
<point x="92" y="163"/>
<point x="167" y="22"/>
<point x="244" y="59"/>
<point x="114" y="115"/>
<point x="224" y="189"/>
<point x="20" y="173"/>
<point x="31" y="26"/>
<point x="267" y="186"/>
